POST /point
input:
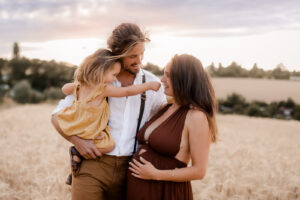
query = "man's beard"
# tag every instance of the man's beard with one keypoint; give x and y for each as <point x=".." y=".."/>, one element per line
<point x="129" y="71"/>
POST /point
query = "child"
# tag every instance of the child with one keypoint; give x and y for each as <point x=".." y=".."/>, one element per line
<point x="88" y="115"/>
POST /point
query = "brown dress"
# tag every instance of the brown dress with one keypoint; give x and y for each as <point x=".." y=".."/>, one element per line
<point x="162" y="146"/>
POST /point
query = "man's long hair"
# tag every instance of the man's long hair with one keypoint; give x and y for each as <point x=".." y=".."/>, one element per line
<point x="124" y="37"/>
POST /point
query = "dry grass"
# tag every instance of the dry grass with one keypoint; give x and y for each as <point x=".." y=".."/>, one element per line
<point x="34" y="159"/>
<point x="254" y="159"/>
<point x="257" y="89"/>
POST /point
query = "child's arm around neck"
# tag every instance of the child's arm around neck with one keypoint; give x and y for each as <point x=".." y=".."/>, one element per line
<point x="112" y="91"/>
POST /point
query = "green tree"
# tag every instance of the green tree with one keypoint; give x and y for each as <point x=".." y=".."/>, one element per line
<point x="236" y="99"/>
<point x="155" y="69"/>
<point x="16" y="50"/>
<point x="296" y="113"/>
<point x="233" y="70"/>
<point x="295" y="73"/>
<point x="290" y="103"/>
<point x="211" y="70"/>
<point x="273" y="109"/>
<point x="18" y="67"/>
<point x="256" y="72"/>
<point x="253" y="110"/>
<point x="280" y="72"/>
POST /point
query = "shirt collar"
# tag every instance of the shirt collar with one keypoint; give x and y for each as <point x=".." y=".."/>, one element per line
<point x="140" y="73"/>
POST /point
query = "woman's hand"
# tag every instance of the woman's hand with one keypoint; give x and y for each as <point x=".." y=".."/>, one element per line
<point x="143" y="170"/>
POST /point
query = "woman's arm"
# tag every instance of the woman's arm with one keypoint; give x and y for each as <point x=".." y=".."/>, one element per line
<point x="68" y="88"/>
<point x="199" y="142"/>
<point x="112" y="91"/>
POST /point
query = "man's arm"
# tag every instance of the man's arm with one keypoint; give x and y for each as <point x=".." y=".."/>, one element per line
<point x="86" y="148"/>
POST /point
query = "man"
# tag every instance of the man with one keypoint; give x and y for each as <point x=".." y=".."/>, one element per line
<point x="104" y="176"/>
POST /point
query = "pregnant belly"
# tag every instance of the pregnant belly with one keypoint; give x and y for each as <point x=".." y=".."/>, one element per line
<point x="159" y="160"/>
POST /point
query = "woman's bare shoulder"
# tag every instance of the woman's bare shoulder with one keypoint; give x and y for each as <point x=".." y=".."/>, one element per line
<point x="196" y="119"/>
<point x="195" y="114"/>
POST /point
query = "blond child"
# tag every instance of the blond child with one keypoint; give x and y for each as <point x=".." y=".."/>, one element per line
<point x="88" y="115"/>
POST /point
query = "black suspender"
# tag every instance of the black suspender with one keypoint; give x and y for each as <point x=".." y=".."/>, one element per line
<point x="143" y="99"/>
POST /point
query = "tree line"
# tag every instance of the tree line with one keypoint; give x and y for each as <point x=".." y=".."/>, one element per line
<point x="237" y="104"/>
<point x="236" y="70"/>
<point x="32" y="80"/>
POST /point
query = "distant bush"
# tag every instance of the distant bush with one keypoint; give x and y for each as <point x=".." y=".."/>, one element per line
<point x="296" y="113"/>
<point x="155" y="69"/>
<point x="3" y="90"/>
<point x="236" y="104"/>
<point x="239" y="109"/>
<point x="272" y="109"/>
<point x="36" y="96"/>
<point x="23" y="93"/>
<point x="54" y="93"/>
<point x="233" y="100"/>
<point x="253" y="110"/>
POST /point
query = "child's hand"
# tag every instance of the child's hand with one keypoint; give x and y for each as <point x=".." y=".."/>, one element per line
<point x="68" y="88"/>
<point x="154" y="85"/>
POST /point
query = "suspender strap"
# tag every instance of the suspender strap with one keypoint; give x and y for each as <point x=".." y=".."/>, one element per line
<point x="142" y="107"/>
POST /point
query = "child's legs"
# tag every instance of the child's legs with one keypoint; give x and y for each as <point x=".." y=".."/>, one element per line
<point x="106" y="144"/>
<point x="75" y="155"/>
<point x="76" y="158"/>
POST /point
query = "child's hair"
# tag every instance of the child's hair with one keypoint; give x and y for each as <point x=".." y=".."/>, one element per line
<point x="93" y="68"/>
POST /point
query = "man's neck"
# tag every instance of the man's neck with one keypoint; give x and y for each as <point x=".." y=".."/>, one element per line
<point x="126" y="78"/>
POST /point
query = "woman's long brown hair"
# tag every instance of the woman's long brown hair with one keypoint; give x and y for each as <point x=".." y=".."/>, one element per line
<point x="192" y="86"/>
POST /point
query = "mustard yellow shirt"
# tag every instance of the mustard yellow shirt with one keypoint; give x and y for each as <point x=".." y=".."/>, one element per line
<point x="86" y="121"/>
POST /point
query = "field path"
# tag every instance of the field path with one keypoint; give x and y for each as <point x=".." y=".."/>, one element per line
<point x="255" y="158"/>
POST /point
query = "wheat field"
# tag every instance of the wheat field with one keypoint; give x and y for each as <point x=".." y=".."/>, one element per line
<point x="258" y="89"/>
<point x="254" y="158"/>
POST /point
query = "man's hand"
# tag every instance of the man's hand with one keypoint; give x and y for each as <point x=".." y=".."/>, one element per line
<point x="86" y="148"/>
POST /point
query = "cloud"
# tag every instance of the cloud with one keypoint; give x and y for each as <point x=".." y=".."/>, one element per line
<point x="37" y="21"/>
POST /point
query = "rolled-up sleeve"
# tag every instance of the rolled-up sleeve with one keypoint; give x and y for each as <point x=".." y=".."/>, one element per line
<point x="66" y="102"/>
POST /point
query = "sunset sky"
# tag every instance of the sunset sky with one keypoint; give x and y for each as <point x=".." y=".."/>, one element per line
<point x="266" y="32"/>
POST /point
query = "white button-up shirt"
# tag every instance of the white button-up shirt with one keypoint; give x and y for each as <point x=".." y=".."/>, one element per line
<point x="124" y="113"/>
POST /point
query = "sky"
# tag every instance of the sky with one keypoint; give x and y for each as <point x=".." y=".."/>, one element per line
<point x="265" y="32"/>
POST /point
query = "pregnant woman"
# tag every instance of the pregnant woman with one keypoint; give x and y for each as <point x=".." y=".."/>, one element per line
<point x="179" y="132"/>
